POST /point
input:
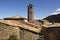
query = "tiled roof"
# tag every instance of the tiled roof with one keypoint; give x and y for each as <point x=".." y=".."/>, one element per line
<point x="48" y="25"/>
<point x="17" y="16"/>
<point x="22" y="25"/>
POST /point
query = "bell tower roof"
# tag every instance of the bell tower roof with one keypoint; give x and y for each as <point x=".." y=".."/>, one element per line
<point x="30" y="4"/>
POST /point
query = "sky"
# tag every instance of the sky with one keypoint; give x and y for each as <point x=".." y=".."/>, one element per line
<point x="42" y="8"/>
<point x="56" y="12"/>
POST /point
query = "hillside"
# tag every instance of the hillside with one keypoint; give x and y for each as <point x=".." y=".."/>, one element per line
<point x="53" y="18"/>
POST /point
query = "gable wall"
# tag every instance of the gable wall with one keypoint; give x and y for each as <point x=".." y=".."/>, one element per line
<point x="7" y="30"/>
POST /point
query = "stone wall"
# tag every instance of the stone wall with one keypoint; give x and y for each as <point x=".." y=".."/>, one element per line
<point x="7" y="30"/>
<point x="22" y="34"/>
<point x="27" y="35"/>
<point x="52" y="33"/>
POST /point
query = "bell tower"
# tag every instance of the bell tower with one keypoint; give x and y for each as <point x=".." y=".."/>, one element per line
<point x="30" y="13"/>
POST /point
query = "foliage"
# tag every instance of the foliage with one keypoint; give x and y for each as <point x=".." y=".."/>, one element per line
<point x="13" y="37"/>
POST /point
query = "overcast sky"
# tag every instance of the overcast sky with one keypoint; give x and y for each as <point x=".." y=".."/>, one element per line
<point x="42" y="8"/>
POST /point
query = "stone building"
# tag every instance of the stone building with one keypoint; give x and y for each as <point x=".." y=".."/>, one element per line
<point x="29" y="28"/>
<point x="23" y="28"/>
<point x="51" y="27"/>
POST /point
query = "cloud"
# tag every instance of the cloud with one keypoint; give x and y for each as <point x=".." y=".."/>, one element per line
<point x="58" y="9"/>
<point x="56" y="12"/>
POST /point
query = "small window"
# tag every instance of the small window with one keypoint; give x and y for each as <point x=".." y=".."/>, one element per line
<point x="36" y="27"/>
<point x="31" y="7"/>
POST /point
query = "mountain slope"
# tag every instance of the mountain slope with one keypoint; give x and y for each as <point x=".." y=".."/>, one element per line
<point x="53" y="18"/>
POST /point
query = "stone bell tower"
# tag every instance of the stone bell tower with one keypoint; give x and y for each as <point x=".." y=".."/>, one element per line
<point x="30" y="13"/>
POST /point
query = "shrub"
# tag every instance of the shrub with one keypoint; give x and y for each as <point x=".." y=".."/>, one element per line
<point x="13" y="37"/>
